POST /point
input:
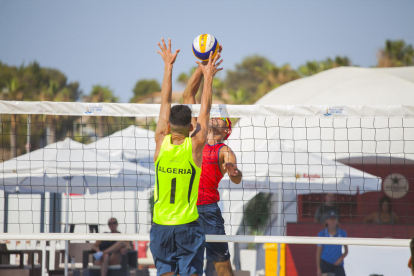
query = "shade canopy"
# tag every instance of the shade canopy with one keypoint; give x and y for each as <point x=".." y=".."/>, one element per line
<point x="48" y="169"/>
<point x="131" y="144"/>
<point x="348" y="86"/>
<point x="266" y="160"/>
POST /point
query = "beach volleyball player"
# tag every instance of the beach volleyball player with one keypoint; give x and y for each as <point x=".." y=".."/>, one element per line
<point x="177" y="240"/>
<point x="218" y="159"/>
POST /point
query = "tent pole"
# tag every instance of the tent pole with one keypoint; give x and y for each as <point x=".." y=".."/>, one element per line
<point x="67" y="226"/>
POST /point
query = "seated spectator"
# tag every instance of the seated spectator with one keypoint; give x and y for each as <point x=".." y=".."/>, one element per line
<point x="109" y="252"/>
<point x="385" y="214"/>
<point x="329" y="257"/>
<point x="328" y="206"/>
<point x="411" y="261"/>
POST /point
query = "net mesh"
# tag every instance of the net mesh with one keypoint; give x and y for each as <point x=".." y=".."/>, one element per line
<point x="295" y="167"/>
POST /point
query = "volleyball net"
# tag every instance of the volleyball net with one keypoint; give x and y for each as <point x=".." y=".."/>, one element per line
<point x="69" y="167"/>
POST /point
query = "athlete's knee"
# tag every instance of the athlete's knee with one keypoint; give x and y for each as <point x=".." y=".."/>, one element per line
<point x="105" y="257"/>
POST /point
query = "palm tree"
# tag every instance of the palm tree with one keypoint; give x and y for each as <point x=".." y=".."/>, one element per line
<point x="48" y="93"/>
<point x="14" y="92"/>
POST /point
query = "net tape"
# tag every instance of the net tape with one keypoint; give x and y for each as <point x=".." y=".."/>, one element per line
<point x="212" y="238"/>
<point x="233" y="111"/>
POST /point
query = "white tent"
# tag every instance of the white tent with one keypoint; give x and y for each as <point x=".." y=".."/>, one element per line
<point x="131" y="144"/>
<point x="67" y="167"/>
<point x="47" y="169"/>
<point x="266" y="162"/>
<point x="348" y="86"/>
<point x="70" y="168"/>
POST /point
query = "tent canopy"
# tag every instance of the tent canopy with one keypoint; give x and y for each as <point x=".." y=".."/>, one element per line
<point x="348" y="86"/>
<point x="131" y="144"/>
<point x="266" y="161"/>
<point x="47" y="169"/>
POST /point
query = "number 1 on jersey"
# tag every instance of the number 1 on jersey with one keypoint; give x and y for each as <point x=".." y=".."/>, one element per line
<point x="173" y="187"/>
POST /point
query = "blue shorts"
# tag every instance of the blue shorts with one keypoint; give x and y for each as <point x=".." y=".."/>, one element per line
<point x="326" y="267"/>
<point x="212" y="222"/>
<point x="178" y="248"/>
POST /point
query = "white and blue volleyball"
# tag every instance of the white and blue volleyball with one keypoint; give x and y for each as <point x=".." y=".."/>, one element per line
<point x="203" y="45"/>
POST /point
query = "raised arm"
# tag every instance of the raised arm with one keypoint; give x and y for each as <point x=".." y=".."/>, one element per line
<point x="191" y="90"/>
<point x="193" y="86"/>
<point x="200" y="133"/>
<point x="229" y="164"/>
<point x="166" y="90"/>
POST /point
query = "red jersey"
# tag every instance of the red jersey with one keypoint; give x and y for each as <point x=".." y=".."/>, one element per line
<point x="210" y="175"/>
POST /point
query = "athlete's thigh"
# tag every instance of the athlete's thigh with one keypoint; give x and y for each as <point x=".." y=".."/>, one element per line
<point x="163" y="249"/>
<point x="213" y="224"/>
<point x="190" y="241"/>
<point x="211" y="220"/>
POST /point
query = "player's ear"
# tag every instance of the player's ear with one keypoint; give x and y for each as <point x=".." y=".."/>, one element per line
<point x="191" y="128"/>
<point x="410" y="264"/>
<point x="168" y="128"/>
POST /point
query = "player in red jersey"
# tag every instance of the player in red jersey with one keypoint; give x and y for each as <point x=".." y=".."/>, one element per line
<point x="218" y="159"/>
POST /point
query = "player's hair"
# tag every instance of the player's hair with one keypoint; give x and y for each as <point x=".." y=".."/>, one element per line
<point x="112" y="219"/>
<point x="180" y="115"/>
<point x="382" y="200"/>
<point x="412" y="253"/>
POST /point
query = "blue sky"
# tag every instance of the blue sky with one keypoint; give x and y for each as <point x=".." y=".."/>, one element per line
<point x="114" y="42"/>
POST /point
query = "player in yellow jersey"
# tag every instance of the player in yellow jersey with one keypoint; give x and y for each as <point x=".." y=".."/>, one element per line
<point x="177" y="240"/>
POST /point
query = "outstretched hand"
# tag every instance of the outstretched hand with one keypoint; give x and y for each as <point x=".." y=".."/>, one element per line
<point x="231" y="169"/>
<point x="210" y="69"/>
<point x="166" y="54"/>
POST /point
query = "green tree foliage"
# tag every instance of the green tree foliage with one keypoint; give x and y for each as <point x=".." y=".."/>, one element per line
<point x="313" y="67"/>
<point x="251" y="79"/>
<point x="396" y="54"/>
<point x="102" y="94"/>
<point x="34" y="83"/>
<point x="143" y="88"/>
<point x="254" y="77"/>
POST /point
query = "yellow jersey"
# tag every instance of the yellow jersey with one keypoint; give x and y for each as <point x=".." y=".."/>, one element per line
<point x="176" y="184"/>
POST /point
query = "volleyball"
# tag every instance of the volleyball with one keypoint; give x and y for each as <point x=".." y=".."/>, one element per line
<point x="203" y="45"/>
